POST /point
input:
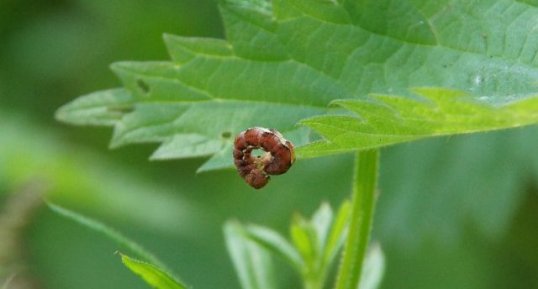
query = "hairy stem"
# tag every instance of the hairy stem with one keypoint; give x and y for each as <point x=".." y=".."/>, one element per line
<point x="363" y="204"/>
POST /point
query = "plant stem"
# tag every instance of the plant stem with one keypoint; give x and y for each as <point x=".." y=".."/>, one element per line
<point x="363" y="204"/>
<point x="315" y="280"/>
<point x="312" y="284"/>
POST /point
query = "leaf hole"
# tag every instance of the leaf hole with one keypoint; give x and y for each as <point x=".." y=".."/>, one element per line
<point x="143" y="86"/>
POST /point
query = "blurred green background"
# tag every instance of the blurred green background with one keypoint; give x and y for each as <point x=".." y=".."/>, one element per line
<point x="459" y="212"/>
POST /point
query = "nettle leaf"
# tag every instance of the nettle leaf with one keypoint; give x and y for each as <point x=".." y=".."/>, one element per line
<point x="99" y="108"/>
<point x="385" y="119"/>
<point x="284" y="61"/>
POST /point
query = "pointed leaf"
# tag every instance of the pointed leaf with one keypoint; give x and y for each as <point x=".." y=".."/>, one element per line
<point x="321" y="222"/>
<point x="108" y="232"/>
<point x="384" y="120"/>
<point x="338" y="232"/>
<point x="286" y="60"/>
<point x="252" y="262"/>
<point x="151" y="274"/>
<point x="99" y="108"/>
<point x="374" y="268"/>
<point x="275" y="243"/>
<point x="304" y="239"/>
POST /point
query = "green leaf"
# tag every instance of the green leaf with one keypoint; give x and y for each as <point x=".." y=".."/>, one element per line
<point x="187" y="145"/>
<point x="154" y="272"/>
<point x="383" y="119"/>
<point x="305" y="239"/>
<point x="275" y="243"/>
<point x="321" y="222"/>
<point x="251" y="261"/>
<point x="99" y="108"/>
<point x="287" y="60"/>
<point x="153" y="276"/>
<point x="338" y="233"/>
<point x="374" y="268"/>
<point x="108" y="232"/>
<point x="314" y="244"/>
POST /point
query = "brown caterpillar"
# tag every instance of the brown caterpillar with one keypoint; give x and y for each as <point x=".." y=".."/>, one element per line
<point x="276" y="160"/>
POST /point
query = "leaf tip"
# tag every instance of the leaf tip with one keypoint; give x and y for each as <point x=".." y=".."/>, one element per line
<point x="167" y="36"/>
<point x="61" y="113"/>
<point x="120" y="66"/>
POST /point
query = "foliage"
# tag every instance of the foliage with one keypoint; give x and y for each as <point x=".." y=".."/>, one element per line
<point x="315" y="244"/>
<point x="105" y="230"/>
<point x="335" y="60"/>
<point x="313" y="247"/>
<point x="151" y="274"/>
<point x="308" y="54"/>
<point x="386" y="120"/>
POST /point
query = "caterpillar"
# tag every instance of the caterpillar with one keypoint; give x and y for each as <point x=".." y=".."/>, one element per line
<point x="277" y="159"/>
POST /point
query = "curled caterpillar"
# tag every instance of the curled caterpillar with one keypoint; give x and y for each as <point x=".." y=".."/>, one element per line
<point x="276" y="160"/>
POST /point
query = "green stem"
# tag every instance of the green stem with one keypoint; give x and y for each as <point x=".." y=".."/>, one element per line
<point x="315" y="280"/>
<point x="363" y="204"/>
<point x="312" y="284"/>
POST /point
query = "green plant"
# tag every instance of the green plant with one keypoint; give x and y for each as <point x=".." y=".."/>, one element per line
<point x="360" y="74"/>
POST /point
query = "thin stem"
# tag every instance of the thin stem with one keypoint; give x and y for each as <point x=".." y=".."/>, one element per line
<point x="312" y="284"/>
<point x="363" y="204"/>
<point x="315" y="280"/>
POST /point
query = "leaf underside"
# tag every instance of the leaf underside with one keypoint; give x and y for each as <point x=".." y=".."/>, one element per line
<point x="386" y="119"/>
<point x="285" y="61"/>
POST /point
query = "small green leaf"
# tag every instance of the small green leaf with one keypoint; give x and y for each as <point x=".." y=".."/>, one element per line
<point x="99" y="108"/>
<point x="321" y="222"/>
<point x="251" y="261"/>
<point x="338" y="233"/>
<point x="275" y="243"/>
<point x="108" y="232"/>
<point x="385" y="119"/>
<point x="373" y="268"/>
<point x="305" y="239"/>
<point x="315" y="242"/>
<point x="184" y="49"/>
<point x="153" y="276"/>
